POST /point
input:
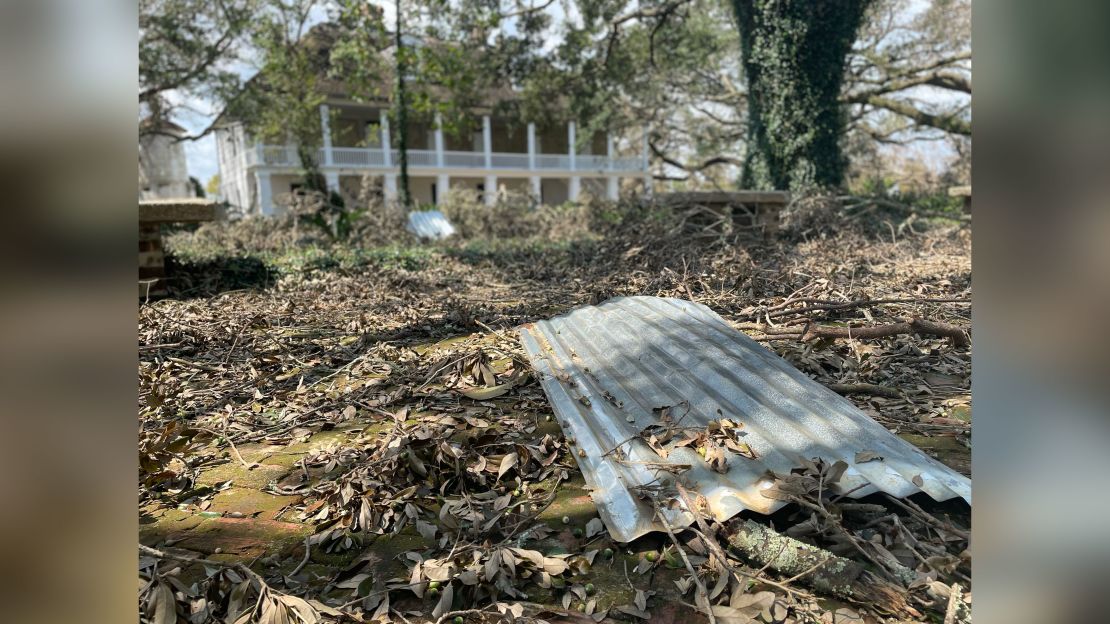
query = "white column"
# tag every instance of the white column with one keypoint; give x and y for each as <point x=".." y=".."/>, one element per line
<point x="612" y="183"/>
<point x="439" y="140"/>
<point x="325" y="128"/>
<point x="537" y="193"/>
<point x="443" y="183"/>
<point x="265" y="194"/>
<point x="574" y="187"/>
<point x="648" y="182"/>
<point x="532" y="146"/>
<point x="570" y="143"/>
<point x="491" y="190"/>
<point x="331" y="180"/>
<point x="387" y="145"/>
<point x="390" y="187"/>
<point x="487" y="141"/>
<point x="613" y="188"/>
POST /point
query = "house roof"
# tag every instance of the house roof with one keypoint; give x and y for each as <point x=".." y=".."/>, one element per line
<point x="163" y="126"/>
<point x="321" y="38"/>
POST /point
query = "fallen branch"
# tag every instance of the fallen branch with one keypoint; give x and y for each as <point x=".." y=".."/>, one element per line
<point x="957" y="611"/>
<point x="816" y="567"/>
<point x="865" y="388"/>
<point x="708" y="537"/>
<point x="816" y="305"/>
<point x="956" y="334"/>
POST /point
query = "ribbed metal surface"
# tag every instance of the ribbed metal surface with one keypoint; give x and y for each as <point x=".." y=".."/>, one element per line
<point x="431" y="224"/>
<point x="606" y="367"/>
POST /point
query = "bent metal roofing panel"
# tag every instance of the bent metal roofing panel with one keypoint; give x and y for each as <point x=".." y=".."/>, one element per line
<point x="607" y="370"/>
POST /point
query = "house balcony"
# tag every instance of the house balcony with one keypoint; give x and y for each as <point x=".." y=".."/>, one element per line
<point x="376" y="159"/>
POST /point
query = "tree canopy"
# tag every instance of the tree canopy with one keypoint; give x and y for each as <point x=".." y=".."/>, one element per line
<point x="683" y="68"/>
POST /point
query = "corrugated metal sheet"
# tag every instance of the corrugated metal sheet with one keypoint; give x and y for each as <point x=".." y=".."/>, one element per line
<point x="431" y="224"/>
<point x="606" y="367"/>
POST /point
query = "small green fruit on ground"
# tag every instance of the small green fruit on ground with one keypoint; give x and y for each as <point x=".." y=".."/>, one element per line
<point x="566" y="519"/>
<point x="608" y="552"/>
<point x="651" y="555"/>
<point x="458" y="620"/>
<point x="582" y="608"/>
<point x="590" y="589"/>
<point x="577" y="532"/>
<point x="433" y="585"/>
<point x="432" y="593"/>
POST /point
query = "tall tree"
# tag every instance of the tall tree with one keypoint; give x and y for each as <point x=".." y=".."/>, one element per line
<point x="400" y="109"/>
<point x="186" y="52"/>
<point x="281" y="104"/>
<point x="909" y="73"/>
<point x="795" y="54"/>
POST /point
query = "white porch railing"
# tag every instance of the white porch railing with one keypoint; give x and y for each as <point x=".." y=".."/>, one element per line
<point x="374" y="158"/>
<point x="357" y="157"/>
<point x="552" y="161"/>
<point x="509" y="161"/>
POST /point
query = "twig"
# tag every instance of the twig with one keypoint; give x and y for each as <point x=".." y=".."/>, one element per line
<point x="682" y="553"/>
<point x="304" y="562"/>
<point x="203" y="367"/>
<point x="207" y="562"/>
<point x="465" y="612"/>
<point x="235" y="450"/>
<point x="913" y="508"/>
<point x="490" y="329"/>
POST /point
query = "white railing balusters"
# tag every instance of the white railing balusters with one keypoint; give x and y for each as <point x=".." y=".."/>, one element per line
<point x="375" y="158"/>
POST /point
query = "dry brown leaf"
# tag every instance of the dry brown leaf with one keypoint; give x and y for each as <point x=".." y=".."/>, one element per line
<point x="866" y="456"/>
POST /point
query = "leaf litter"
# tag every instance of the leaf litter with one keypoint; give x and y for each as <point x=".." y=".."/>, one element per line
<point x="451" y="442"/>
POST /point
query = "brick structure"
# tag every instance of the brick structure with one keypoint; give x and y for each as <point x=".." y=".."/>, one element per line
<point x="152" y="214"/>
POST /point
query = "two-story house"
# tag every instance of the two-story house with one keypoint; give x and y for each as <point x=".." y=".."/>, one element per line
<point x="552" y="164"/>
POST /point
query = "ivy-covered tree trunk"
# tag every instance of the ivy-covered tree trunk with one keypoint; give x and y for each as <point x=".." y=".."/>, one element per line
<point x="794" y="55"/>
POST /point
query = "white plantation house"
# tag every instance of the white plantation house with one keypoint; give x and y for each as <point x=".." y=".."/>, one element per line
<point x="501" y="155"/>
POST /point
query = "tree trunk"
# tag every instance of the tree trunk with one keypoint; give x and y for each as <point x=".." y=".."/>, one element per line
<point x="794" y="54"/>
<point x="401" y="114"/>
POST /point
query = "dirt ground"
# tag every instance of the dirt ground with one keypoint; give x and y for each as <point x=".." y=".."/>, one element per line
<point x="308" y="427"/>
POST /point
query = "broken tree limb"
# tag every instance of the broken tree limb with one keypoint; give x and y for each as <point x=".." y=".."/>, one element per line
<point x="958" y="335"/>
<point x="815" y="567"/>
<point x="865" y="388"/>
<point x="825" y="305"/>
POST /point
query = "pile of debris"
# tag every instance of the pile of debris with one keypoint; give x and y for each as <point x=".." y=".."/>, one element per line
<point x="370" y="448"/>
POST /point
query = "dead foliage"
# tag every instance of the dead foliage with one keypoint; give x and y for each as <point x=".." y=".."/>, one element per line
<point x="439" y="432"/>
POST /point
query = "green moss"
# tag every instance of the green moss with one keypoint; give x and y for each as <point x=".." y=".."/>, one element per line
<point x="947" y="449"/>
<point x="256" y="478"/>
<point x="168" y="523"/>
<point x="250" y="502"/>
<point x="572" y="499"/>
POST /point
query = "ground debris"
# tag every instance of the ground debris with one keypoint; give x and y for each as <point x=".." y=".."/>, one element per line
<point x="308" y="446"/>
